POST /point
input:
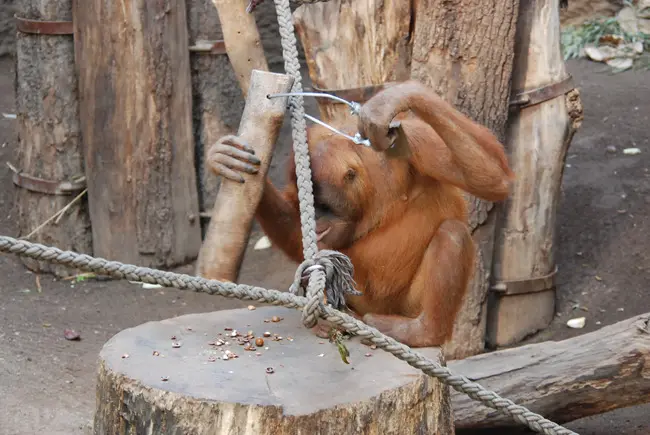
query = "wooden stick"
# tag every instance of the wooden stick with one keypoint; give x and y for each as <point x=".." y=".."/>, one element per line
<point x="242" y="40"/>
<point x="563" y="381"/>
<point x="234" y="208"/>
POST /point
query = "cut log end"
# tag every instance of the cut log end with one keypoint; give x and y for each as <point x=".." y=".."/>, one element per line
<point x="171" y="377"/>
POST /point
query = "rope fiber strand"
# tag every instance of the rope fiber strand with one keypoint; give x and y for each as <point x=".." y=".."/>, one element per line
<point x="325" y="269"/>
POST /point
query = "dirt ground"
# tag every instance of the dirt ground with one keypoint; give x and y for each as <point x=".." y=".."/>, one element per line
<point x="47" y="383"/>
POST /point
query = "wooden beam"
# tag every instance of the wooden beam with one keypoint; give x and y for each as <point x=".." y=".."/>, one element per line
<point x="235" y="206"/>
<point x="538" y="138"/>
<point x="136" y="117"/>
<point x="242" y="39"/>
<point x="565" y="380"/>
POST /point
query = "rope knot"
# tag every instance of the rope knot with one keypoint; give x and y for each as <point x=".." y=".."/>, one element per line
<point x="325" y="279"/>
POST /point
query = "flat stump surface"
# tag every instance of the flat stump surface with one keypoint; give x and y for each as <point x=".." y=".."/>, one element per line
<point x="176" y="376"/>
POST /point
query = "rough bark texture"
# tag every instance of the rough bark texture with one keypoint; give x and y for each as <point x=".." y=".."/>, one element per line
<point x="234" y="210"/>
<point x="538" y="139"/>
<point x="353" y="44"/>
<point x="563" y="381"/>
<point x="464" y="50"/>
<point x="216" y="97"/>
<point x="7" y="27"/>
<point x="135" y="88"/>
<point x="49" y="140"/>
<point x="310" y="391"/>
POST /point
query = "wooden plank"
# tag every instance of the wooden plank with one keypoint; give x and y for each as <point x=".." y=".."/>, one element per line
<point x="464" y="50"/>
<point x="234" y="210"/>
<point x="136" y="116"/>
<point x="49" y="136"/>
<point x="563" y="381"/>
<point x="538" y="139"/>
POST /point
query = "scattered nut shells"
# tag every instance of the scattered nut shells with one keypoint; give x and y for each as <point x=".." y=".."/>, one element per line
<point x="176" y="345"/>
<point x="270" y="370"/>
<point x="164" y="378"/>
<point x="259" y="342"/>
<point x="267" y="334"/>
<point x="275" y="319"/>
<point x="126" y="355"/>
<point x="156" y="353"/>
<point x="251" y="307"/>
<point x="576" y="323"/>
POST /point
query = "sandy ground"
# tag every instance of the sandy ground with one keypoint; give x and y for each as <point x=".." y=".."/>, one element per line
<point x="47" y="383"/>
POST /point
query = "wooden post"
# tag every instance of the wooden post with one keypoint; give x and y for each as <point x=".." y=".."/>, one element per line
<point x="136" y="113"/>
<point x="470" y="65"/>
<point x="523" y="297"/>
<point x="50" y="167"/>
<point x="217" y="99"/>
<point x="234" y="208"/>
<point x="562" y="380"/>
<point x="291" y="386"/>
<point x="242" y="40"/>
<point x="364" y="47"/>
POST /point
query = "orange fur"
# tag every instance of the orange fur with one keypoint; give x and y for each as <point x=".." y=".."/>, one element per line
<point x="403" y="223"/>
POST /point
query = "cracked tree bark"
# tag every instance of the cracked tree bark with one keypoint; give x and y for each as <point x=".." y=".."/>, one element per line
<point x="49" y="135"/>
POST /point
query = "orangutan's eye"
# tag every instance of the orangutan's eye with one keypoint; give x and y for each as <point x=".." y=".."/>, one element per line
<point x="350" y="175"/>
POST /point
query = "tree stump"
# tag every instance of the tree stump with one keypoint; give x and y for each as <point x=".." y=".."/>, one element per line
<point x="136" y="117"/>
<point x="50" y="167"/>
<point x="298" y="384"/>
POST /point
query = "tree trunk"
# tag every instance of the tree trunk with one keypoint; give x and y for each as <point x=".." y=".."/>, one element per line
<point x="135" y="88"/>
<point x="563" y="381"/>
<point x="366" y="43"/>
<point x="464" y="50"/>
<point x="50" y="161"/>
<point x="234" y="210"/>
<point x="539" y="134"/>
<point x="216" y="97"/>
<point x="291" y="386"/>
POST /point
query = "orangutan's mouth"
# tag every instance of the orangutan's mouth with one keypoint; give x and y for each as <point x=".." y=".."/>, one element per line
<point x="322" y="233"/>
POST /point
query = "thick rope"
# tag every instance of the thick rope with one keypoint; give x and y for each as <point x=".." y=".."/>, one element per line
<point x="299" y="130"/>
<point x="274" y="297"/>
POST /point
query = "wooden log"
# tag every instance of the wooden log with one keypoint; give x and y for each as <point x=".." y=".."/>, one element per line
<point x="234" y="209"/>
<point x="242" y="39"/>
<point x="469" y="65"/>
<point x="191" y="389"/>
<point x="565" y="380"/>
<point x="50" y="167"/>
<point x="136" y="115"/>
<point x="217" y="100"/>
<point x="523" y="300"/>
<point x="354" y="45"/>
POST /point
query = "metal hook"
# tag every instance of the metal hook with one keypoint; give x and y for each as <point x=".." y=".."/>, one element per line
<point x="355" y="108"/>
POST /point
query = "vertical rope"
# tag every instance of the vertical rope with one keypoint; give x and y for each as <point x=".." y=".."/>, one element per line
<point x="299" y="131"/>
